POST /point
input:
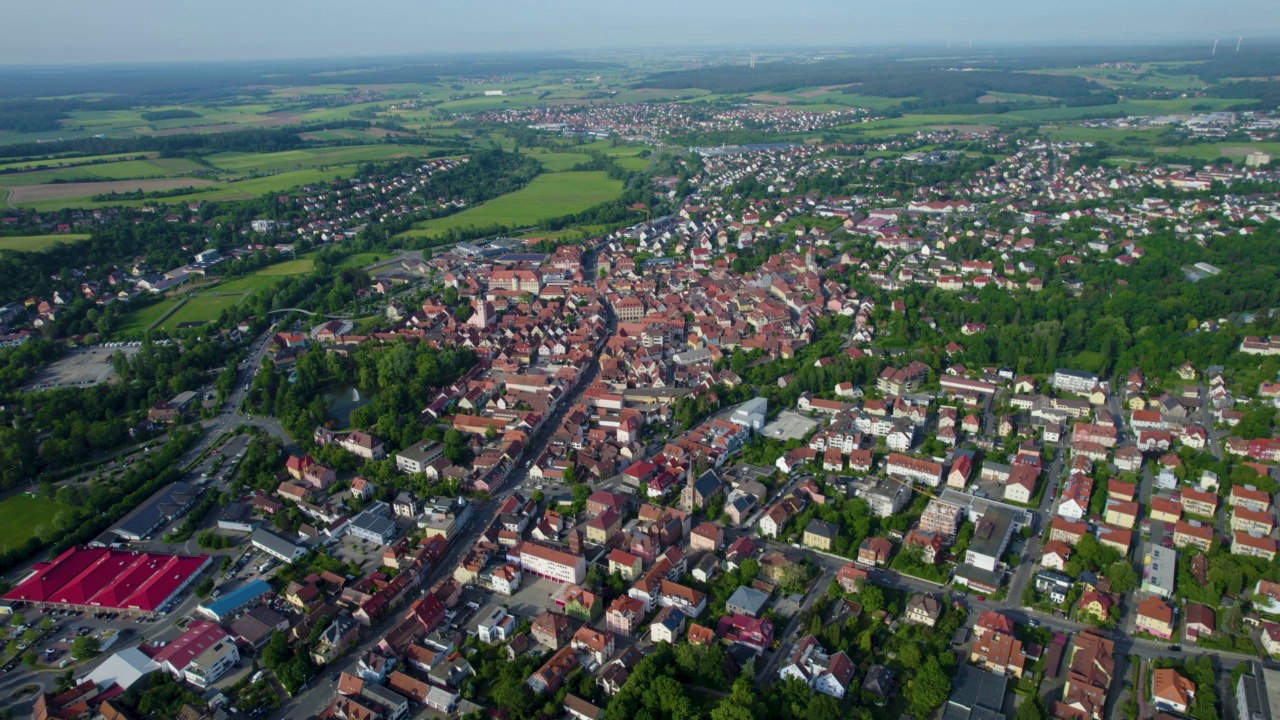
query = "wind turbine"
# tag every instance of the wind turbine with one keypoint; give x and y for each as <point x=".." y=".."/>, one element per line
<point x="1238" y="42"/>
<point x="1215" y="48"/>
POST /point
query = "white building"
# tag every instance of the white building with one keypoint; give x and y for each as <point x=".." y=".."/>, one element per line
<point x="552" y="563"/>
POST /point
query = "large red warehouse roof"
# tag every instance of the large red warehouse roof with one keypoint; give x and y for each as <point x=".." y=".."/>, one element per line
<point x="107" y="578"/>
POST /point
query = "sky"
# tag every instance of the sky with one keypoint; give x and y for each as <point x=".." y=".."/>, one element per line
<point x="111" y="31"/>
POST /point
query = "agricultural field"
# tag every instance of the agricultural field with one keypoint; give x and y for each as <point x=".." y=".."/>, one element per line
<point x="249" y="163"/>
<point x="21" y="515"/>
<point x="122" y="170"/>
<point x="54" y="162"/>
<point x="37" y="243"/>
<point x="547" y="196"/>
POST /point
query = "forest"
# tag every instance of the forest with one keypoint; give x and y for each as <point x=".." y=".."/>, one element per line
<point x="932" y="83"/>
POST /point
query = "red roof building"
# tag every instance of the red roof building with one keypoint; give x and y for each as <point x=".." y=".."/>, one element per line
<point x="103" y="578"/>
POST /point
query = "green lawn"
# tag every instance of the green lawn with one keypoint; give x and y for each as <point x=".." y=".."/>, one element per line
<point x="136" y="322"/>
<point x="202" y="308"/>
<point x="36" y="243"/>
<point x="300" y="266"/>
<point x="547" y="196"/>
<point x="632" y="162"/>
<point x="20" y="515"/>
<point x="359" y="260"/>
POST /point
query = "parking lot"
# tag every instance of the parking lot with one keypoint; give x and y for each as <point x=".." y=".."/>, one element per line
<point x="87" y="366"/>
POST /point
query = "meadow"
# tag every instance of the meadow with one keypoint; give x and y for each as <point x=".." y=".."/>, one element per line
<point x="36" y="243"/>
<point x="547" y="196"/>
<point x="20" y="515"/>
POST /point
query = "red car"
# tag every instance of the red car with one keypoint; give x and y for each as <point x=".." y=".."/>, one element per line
<point x="982" y="598"/>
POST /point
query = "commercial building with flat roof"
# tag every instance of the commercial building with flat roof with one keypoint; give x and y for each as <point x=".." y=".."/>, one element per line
<point x="225" y="606"/>
<point x="1159" y="567"/>
<point x="374" y="524"/>
<point x="276" y="546"/>
<point x="975" y="695"/>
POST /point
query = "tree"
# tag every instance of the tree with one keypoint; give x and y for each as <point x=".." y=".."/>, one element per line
<point x="1123" y="577"/>
<point x="1032" y="708"/>
<point x="84" y="647"/>
<point x="872" y="598"/>
<point x="930" y="687"/>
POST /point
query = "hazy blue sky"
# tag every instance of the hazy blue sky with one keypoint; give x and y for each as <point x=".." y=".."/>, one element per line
<point x="74" y="31"/>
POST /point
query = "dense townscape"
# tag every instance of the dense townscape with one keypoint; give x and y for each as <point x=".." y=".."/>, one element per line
<point x="804" y="420"/>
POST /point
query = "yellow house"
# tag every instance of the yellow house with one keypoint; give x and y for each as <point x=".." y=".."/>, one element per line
<point x="1156" y="617"/>
<point x="819" y="534"/>
<point x="1097" y="397"/>
<point x="1096" y="604"/>
<point x="1137" y="403"/>
<point x="1165" y="510"/>
<point x="1122" y="513"/>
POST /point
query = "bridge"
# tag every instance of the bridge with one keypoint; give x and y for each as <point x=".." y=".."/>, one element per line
<point x="314" y="314"/>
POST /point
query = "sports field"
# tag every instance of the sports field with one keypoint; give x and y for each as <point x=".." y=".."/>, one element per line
<point x="139" y="321"/>
<point x="36" y="243"/>
<point x="202" y="308"/>
<point x="547" y="196"/>
<point x="20" y="515"/>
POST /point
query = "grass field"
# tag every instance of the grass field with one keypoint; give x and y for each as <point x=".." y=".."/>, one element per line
<point x="632" y="162"/>
<point x="138" y="321"/>
<point x="314" y="158"/>
<point x="69" y="161"/>
<point x="359" y="260"/>
<point x="202" y="308"/>
<point x="36" y="243"/>
<point x="21" y="514"/>
<point x="122" y="170"/>
<point x="301" y="266"/>
<point x="547" y="196"/>
<point x="558" y="162"/>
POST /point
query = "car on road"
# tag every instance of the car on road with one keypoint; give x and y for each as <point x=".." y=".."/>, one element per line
<point x="981" y="598"/>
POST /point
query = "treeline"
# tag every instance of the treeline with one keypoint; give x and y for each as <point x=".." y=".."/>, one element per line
<point x="104" y="502"/>
<point x="247" y="141"/>
<point x="931" y="85"/>
<point x="1266" y="93"/>
<point x="149" y="195"/>
<point x="177" y="114"/>
<point x="32" y="116"/>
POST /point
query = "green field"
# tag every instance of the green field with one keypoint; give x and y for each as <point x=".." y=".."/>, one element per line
<point x="36" y="243"/>
<point x="359" y="260"/>
<point x="547" y="196"/>
<point x="304" y="159"/>
<point x="558" y="162"/>
<point x="122" y="170"/>
<point x="632" y="162"/>
<point x="69" y="161"/>
<point x="20" y="515"/>
<point x="139" y="321"/>
<point x="202" y="308"/>
<point x="301" y="266"/>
